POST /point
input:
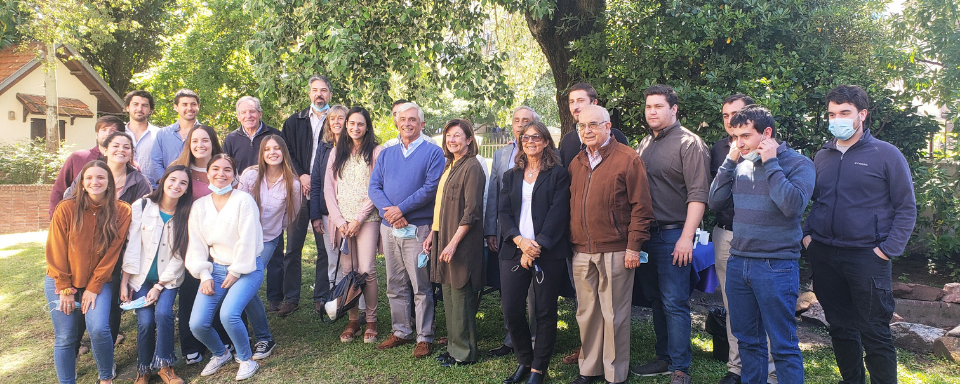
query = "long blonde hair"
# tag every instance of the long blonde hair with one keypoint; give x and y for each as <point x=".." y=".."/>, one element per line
<point x="288" y="178"/>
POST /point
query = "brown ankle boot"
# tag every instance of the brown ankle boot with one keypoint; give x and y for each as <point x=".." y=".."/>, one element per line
<point x="142" y="378"/>
<point x="168" y="377"/>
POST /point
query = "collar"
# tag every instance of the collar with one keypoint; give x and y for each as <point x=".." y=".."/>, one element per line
<point x="666" y="131"/>
<point x="244" y="131"/>
<point x="601" y="150"/>
<point x="413" y="145"/>
<point x="866" y="137"/>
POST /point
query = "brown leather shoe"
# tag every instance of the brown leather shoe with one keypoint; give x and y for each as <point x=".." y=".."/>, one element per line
<point x="287" y="308"/>
<point x="442" y="341"/>
<point x="370" y="334"/>
<point x="573" y="358"/>
<point x="274" y="306"/>
<point x="394" y="342"/>
<point x="423" y="349"/>
<point x="318" y="307"/>
<point x="142" y="379"/>
<point x="168" y="377"/>
<point x="350" y="332"/>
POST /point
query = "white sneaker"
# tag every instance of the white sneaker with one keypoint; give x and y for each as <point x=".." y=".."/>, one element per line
<point x="247" y="369"/>
<point x="215" y="363"/>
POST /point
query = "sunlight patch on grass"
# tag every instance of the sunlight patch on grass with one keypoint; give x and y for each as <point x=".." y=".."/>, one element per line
<point x="702" y="343"/>
<point x="19" y="358"/>
<point x="5" y="253"/>
<point x="561" y="325"/>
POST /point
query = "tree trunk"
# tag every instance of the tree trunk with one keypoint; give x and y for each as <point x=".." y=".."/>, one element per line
<point x="50" y="87"/>
<point x="571" y="21"/>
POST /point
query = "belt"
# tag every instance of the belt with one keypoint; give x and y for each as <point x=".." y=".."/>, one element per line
<point x="728" y="227"/>
<point x="661" y="226"/>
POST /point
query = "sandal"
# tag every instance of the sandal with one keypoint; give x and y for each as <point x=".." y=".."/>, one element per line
<point x="370" y="335"/>
<point x="348" y="334"/>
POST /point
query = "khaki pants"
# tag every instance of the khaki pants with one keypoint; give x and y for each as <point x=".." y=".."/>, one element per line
<point x="721" y="253"/>
<point x="604" y="292"/>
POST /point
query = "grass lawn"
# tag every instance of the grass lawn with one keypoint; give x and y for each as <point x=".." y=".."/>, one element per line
<point x="310" y="351"/>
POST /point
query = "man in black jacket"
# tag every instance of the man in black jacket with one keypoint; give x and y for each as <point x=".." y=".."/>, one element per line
<point x="303" y="132"/>
<point x="243" y="144"/>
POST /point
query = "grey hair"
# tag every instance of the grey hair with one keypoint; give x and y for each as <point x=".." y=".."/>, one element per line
<point x="405" y="106"/>
<point x="536" y="116"/>
<point x="316" y="77"/>
<point x="255" y="101"/>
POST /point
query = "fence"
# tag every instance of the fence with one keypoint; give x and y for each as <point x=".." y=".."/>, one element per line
<point x="24" y="208"/>
<point x="493" y="141"/>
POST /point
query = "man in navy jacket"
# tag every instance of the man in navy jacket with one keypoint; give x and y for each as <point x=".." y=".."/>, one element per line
<point x="303" y="133"/>
<point x="863" y="214"/>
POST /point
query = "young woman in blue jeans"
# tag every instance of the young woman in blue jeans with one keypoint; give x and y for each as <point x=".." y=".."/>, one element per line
<point x="276" y="190"/>
<point x="225" y="243"/>
<point x="153" y="269"/>
<point x="83" y="245"/>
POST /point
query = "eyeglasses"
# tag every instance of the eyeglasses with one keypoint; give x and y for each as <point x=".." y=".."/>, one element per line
<point x="593" y="125"/>
<point x="531" y="138"/>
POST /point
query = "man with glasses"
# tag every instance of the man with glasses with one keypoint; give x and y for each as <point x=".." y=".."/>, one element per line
<point x="610" y="213"/>
<point x="503" y="159"/>
<point x="679" y="175"/>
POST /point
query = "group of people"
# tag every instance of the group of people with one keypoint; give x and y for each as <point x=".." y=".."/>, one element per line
<point x="150" y="213"/>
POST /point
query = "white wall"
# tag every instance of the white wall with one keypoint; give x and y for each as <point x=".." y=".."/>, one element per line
<point x="80" y="135"/>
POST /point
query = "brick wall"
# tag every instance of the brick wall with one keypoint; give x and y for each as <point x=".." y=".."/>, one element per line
<point x="23" y="208"/>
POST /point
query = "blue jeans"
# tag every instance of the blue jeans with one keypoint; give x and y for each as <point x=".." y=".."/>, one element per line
<point x="762" y="295"/>
<point x="232" y="302"/>
<point x="273" y="271"/>
<point x="255" y="312"/>
<point x="667" y="286"/>
<point x="68" y="328"/>
<point x="155" y="330"/>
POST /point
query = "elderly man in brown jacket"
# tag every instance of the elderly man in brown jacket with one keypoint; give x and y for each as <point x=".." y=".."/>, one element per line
<point x="610" y="212"/>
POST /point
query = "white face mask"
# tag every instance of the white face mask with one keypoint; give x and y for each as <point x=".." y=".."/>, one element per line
<point x="751" y="156"/>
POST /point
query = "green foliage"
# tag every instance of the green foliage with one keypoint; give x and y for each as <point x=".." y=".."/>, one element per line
<point x="210" y="58"/>
<point x="135" y="42"/>
<point x="28" y="162"/>
<point x="10" y="19"/>
<point x="787" y="54"/>
<point x="937" y="187"/>
<point x="930" y="32"/>
<point x="430" y="52"/>
<point x="70" y="22"/>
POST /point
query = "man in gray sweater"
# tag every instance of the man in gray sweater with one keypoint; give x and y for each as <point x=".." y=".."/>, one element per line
<point x="769" y="190"/>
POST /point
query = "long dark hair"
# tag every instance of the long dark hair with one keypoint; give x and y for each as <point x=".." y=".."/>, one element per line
<point x="122" y="134"/>
<point x="186" y="156"/>
<point x="288" y="177"/>
<point x="181" y="237"/>
<point x="107" y="227"/>
<point x="548" y="159"/>
<point x="344" y="147"/>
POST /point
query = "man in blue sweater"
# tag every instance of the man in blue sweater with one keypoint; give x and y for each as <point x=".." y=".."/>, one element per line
<point x="403" y="186"/>
<point x="863" y="214"/>
<point x="769" y="191"/>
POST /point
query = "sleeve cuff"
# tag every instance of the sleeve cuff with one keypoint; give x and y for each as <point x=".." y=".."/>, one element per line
<point x="95" y="286"/>
<point x="205" y="275"/>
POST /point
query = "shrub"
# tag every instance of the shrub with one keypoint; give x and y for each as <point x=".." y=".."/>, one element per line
<point x="937" y="233"/>
<point x="28" y="162"/>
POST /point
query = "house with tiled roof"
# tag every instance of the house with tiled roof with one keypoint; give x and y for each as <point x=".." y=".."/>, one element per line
<point x="82" y="94"/>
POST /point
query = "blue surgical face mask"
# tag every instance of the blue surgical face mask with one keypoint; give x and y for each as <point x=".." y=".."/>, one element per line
<point x="751" y="156"/>
<point x="842" y="128"/>
<point x="55" y="306"/>
<point x="422" y="259"/>
<point x="318" y="110"/>
<point x="408" y="232"/>
<point x="220" y="191"/>
<point x="135" y="304"/>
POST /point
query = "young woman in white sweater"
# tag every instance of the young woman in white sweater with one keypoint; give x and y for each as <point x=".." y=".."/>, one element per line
<point x="225" y="243"/>
<point x="153" y="269"/>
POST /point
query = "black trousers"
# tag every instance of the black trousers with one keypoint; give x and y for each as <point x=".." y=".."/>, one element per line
<point x="293" y="262"/>
<point x="854" y="288"/>
<point x="188" y="294"/>
<point x="513" y="299"/>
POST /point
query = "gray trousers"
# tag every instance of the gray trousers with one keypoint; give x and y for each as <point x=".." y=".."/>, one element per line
<point x="721" y="253"/>
<point x="407" y="283"/>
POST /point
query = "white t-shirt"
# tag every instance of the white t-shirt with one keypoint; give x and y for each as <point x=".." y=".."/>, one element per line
<point x="526" y="219"/>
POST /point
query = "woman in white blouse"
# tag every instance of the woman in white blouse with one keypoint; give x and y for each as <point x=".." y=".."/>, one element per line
<point x="276" y="189"/>
<point x="225" y="243"/>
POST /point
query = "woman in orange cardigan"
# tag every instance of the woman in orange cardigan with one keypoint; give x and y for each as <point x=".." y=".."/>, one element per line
<point x="83" y="245"/>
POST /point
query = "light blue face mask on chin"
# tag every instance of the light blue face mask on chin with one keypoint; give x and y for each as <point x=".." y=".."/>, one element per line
<point x="408" y="232"/>
<point x="220" y="191"/>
